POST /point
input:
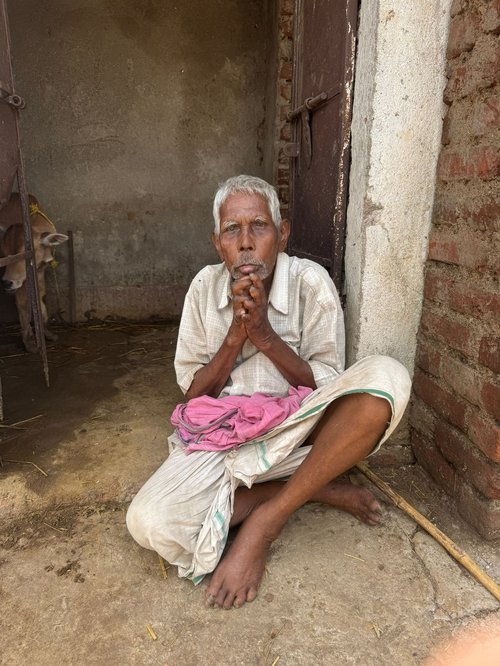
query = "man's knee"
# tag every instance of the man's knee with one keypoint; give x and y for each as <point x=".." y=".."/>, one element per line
<point x="374" y="409"/>
<point x="153" y="515"/>
<point x="368" y="408"/>
<point x="140" y="522"/>
<point x="387" y="372"/>
<point x="166" y="516"/>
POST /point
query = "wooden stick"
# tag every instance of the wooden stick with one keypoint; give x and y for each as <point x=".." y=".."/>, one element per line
<point x="151" y="632"/>
<point x="58" y="529"/>
<point x="26" y="462"/>
<point x="163" y="567"/>
<point x="14" y="426"/>
<point x="32" y="418"/>
<point x="440" y="537"/>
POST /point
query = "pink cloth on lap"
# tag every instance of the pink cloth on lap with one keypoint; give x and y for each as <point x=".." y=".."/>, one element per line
<point x="218" y="424"/>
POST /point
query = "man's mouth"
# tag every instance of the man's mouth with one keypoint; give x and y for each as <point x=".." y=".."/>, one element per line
<point x="246" y="269"/>
<point x="247" y="265"/>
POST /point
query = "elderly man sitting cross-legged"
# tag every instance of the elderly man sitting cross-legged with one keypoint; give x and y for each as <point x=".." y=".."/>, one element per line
<point x="262" y="321"/>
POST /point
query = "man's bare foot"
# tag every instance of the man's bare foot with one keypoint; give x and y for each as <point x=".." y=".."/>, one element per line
<point x="237" y="577"/>
<point x="358" y="501"/>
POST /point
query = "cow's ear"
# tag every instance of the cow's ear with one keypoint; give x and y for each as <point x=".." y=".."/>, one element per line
<point x="54" y="239"/>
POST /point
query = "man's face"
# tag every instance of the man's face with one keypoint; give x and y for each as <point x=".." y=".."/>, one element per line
<point x="249" y="241"/>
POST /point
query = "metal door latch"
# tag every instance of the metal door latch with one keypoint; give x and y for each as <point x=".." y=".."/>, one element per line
<point x="304" y="112"/>
<point x="309" y="105"/>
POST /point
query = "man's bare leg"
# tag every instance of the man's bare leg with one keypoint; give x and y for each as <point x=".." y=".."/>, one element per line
<point x="343" y="495"/>
<point x="347" y="433"/>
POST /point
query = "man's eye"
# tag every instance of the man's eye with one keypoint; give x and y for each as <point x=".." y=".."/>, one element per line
<point x="260" y="223"/>
<point x="231" y="228"/>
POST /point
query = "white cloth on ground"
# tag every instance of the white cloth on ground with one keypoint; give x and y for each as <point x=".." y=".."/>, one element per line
<point x="183" y="511"/>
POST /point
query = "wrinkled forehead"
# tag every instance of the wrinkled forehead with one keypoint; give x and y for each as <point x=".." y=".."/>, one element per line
<point x="244" y="204"/>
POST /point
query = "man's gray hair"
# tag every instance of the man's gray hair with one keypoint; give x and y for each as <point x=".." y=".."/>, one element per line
<point x="247" y="185"/>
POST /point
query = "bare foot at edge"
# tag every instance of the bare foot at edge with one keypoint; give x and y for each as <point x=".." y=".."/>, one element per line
<point x="238" y="575"/>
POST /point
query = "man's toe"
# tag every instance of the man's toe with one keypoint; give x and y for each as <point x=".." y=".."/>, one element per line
<point x="239" y="599"/>
<point x="251" y="593"/>
<point x="220" y="597"/>
<point x="209" y="599"/>
<point x="373" y="518"/>
<point x="227" y="602"/>
<point x="215" y="594"/>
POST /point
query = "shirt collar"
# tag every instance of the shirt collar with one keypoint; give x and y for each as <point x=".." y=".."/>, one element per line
<point x="279" y="288"/>
<point x="278" y="296"/>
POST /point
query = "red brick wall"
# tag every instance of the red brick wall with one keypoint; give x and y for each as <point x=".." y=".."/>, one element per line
<point x="456" y="402"/>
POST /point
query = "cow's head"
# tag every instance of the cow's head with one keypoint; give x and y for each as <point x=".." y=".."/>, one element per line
<point x="13" y="243"/>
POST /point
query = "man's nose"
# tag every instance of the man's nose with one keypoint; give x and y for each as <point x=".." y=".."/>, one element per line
<point x="247" y="241"/>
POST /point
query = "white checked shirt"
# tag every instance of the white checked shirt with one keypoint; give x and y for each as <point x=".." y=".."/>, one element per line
<point x="304" y="310"/>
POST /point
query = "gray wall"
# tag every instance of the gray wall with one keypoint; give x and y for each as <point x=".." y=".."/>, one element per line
<point x="135" y="111"/>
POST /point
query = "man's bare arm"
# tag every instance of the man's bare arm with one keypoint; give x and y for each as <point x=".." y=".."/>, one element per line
<point x="211" y="379"/>
<point x="294" y="369"/>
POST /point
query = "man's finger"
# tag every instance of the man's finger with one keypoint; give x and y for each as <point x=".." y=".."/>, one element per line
<point x="249" y="305"/>
<point x="241" y="285"/>
<point x="257" y="291"/>
<point x="256" y="280"/>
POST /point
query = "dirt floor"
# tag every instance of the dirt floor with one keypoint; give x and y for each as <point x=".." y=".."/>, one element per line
<point x="76" y="589"/>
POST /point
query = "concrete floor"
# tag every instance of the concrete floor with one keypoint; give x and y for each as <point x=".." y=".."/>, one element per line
<point x="75" y="588"/>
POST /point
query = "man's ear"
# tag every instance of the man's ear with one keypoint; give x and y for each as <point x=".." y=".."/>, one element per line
<point x="216" y="242"/>
<point x="284" y="234"/>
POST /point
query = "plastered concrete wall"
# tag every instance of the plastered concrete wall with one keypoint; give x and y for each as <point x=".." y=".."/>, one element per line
<point x="136" y="109"/>
<point x="396" y="128"/>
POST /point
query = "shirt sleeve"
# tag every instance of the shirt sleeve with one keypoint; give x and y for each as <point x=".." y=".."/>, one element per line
<point x="191" y="353"/>
<point x="323" y="335"/>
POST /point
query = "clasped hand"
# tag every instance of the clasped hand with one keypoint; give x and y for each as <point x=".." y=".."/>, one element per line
<point x="250" y="311"/>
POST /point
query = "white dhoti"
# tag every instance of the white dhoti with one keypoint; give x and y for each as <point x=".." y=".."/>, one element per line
<point x="183" y="511"/>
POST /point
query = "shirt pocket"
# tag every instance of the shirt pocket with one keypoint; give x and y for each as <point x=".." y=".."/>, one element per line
<point x="287" y="327"/>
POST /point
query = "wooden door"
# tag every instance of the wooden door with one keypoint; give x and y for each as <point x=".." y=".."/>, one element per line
<point x="323" y="74"/>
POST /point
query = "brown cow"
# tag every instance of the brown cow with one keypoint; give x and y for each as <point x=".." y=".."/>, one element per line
<point x="45" y="239"/>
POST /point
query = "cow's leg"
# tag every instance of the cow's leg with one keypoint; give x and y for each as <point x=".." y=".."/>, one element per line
<point x="42" y="289"/>
<point x="23" y="310"/>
